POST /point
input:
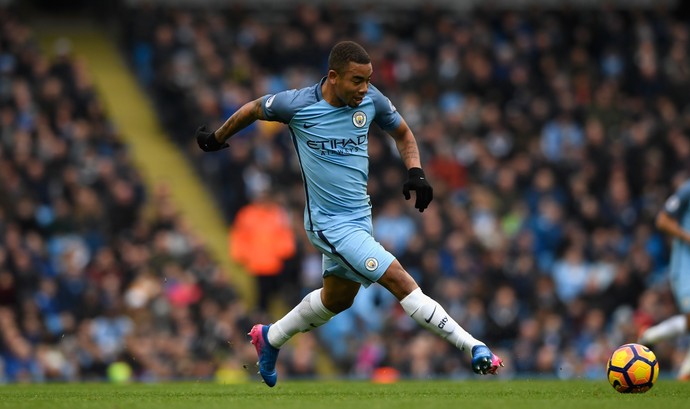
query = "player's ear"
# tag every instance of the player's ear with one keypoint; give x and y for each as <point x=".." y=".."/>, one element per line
<point x="332" y="76"/>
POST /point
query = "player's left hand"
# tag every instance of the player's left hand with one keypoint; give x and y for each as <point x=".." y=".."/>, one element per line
<point x="207" y="140"/>
<point x="417" y="181"/>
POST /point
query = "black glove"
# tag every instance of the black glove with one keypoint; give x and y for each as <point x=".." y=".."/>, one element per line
<point x="417" y="181"/>
<point x="207" y="140"/>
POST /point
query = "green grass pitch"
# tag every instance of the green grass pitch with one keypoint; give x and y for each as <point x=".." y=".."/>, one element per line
<point x="495" y="394"/>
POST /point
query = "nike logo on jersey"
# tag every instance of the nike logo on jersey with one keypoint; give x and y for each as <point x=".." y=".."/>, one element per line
<point x="428" y="320"/>
<point x="307" y="126"/>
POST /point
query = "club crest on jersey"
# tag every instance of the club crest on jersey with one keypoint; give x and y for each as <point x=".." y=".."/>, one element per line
<point x="359" y="118"/>
<point x="371" y="264"/>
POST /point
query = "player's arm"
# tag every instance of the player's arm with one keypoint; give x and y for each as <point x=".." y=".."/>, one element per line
<point x="242" y="118"/>
<point x="407" y="145"/>
<point x="409" y="153"/>
<point x="669" y="225"/>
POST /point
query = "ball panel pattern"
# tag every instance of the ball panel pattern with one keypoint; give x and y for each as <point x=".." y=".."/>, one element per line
<point x="632" y="368"/>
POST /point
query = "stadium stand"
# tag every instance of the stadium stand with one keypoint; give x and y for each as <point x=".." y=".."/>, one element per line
<point x="551" y="136"/>
<point x="100" y="276"/>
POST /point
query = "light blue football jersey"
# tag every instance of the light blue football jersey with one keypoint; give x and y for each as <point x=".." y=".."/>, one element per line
<point x="678" y="207"/>
<point x="332" y="148"/>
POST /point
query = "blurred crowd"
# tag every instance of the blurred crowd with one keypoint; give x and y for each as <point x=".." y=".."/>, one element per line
<point x="100" y="278"/>
<point x="551" y="138"/>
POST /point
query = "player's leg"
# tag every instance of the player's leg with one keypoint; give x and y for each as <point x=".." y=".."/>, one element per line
<point x="338" y="293"/>
<point x="432" y="316"/>
<point x="684" y="370"/>
<point x="366" y="261"/>
<point x="678" y="324"/>
<point x="315" y="309"/>
<point x="669" y="328"/>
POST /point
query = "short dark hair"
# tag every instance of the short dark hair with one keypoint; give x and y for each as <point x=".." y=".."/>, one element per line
<point x="344" y="53"/>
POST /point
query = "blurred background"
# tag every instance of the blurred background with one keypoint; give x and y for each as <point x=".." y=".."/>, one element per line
<point x="551" y="131"/>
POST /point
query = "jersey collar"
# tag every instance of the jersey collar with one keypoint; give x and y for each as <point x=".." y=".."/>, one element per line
<point x="317" y="92"/>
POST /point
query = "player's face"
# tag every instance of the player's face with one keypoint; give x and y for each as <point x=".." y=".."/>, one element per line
<point x="353" y="83"/>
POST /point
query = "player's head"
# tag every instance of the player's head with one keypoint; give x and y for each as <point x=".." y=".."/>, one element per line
<point x="344" y="53"/>
<point x="349" y="72"/>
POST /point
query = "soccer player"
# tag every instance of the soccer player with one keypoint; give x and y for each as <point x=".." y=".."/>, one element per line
<point x="674" y="220"/>
<point x="329" y="124"/>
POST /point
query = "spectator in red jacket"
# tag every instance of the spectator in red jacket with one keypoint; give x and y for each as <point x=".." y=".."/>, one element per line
<point x="261" y="240"/>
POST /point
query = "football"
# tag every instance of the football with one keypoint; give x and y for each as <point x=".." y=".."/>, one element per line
<point x="632" y="368"/>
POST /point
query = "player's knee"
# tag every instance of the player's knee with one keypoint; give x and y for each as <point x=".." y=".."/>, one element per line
<point x="398" y="281"/>
<point x="338" y="303"/>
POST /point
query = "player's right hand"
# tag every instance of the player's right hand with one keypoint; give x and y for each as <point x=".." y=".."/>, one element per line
<point x="207" y="140"/>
